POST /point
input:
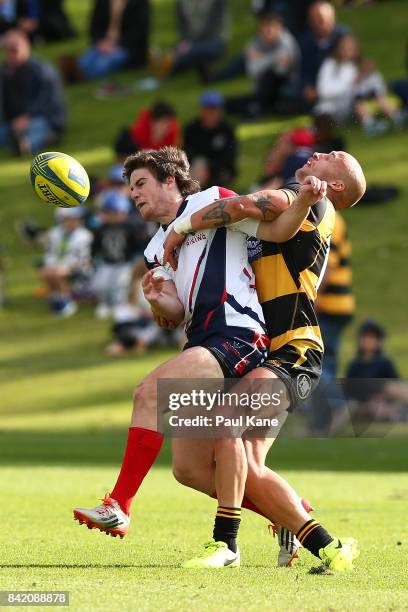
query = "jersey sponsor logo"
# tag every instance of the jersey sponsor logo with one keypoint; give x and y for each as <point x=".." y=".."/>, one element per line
<point x="303" y="386"/>
<point x="195" y="238"/>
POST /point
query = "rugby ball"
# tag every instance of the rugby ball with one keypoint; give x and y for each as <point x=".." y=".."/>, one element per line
<point x="59" y="179"/>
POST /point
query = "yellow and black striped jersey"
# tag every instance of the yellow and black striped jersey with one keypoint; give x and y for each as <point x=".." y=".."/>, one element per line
<point x="288" y="275"/>
<point x="335" y="294"/>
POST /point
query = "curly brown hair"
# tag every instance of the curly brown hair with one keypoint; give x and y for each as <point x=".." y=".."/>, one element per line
<point x="165" y="162"/>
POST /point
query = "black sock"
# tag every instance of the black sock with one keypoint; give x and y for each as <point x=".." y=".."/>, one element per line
<point x="313" y="537"/>
<point x="226" y="526"/>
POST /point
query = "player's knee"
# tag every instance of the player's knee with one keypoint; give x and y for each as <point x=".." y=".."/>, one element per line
<point x="185" y="474"/>
<point x="143" y="395"/>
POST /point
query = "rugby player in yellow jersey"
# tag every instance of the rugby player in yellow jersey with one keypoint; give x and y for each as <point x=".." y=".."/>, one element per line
<point x="287" y="279"/>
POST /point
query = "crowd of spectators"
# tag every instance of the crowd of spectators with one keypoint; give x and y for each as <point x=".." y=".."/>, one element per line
<point x="299" y="60"/>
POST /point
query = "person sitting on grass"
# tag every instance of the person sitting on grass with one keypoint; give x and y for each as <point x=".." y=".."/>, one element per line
<point x="119" y="32"/>
<point x="67" y="256"/>
<point x="370" y="87"/>
<point x="32" y="106"/>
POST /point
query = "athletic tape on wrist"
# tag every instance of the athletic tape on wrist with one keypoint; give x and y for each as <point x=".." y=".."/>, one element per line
<point x="183" y="226"/>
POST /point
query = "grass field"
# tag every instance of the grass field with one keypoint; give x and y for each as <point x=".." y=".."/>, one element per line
<point x="48" y="550"/>
<point x="64" y="407"/>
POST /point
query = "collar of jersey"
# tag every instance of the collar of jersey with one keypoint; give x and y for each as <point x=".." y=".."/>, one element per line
<point x="180" y="211"/>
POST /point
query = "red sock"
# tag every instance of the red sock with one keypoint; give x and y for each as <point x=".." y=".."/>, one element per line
<point x="142" y="448"/>
<point x="246" y="503"/>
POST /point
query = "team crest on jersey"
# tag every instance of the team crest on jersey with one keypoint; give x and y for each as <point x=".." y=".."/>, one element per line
<point x="303" y="386"/>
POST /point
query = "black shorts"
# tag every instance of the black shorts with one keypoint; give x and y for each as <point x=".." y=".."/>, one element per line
<point x="300" y="375"/>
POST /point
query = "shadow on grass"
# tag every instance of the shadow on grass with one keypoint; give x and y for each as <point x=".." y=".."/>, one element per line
<point x="105" y="448"/>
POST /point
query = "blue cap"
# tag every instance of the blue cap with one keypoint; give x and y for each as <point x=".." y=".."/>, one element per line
<point x="116" y="173"/>
<point x="212" y="98"/>
<point x="113" y="201"/>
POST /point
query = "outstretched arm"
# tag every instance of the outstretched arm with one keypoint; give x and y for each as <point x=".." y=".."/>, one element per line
<point x="287" y="224"/>
<point x="262" y="205"/>
<point x="278" y="221"/>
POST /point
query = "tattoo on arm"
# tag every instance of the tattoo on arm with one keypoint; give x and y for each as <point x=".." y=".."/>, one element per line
<point x="218" y="213"/>
<point x="264" y="204"/>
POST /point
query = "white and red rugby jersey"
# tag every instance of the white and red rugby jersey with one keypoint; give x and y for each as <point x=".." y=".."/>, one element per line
<point x="214" y="279"/>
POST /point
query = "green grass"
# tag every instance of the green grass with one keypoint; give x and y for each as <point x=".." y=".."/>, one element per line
<point x="64" y="407"/>
<point x="46" y="550"/>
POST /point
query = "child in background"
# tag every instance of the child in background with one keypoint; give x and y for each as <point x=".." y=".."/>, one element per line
<point x="114" y="248"/>
<point x="370" y="86"/>
<point x="134" y="329"/>
<point x="67" y="258"/>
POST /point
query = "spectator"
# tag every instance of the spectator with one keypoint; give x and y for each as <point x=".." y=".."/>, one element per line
<point x="370" y="361"/>
<point x="371" y="380"/>
<point x="336" y="78"/>
<point x="293" y="149"/>
<point x="54" y="23"/>
<point x="119" y="31"/>
<point x="114" y="249"/>
<point x="290" y="152"/>
<point x="370" y="86"/>
<point x="210" y="143"/>
<point x="153" y="128"/>
<point x="271" y="60"/>
<point x="67" y="259"/>
<point x="203" y="33"/>
<point x="32" y="107"/>
<point x="316" y="44"/>
<point x="335" y="303"/>
<point x="335" y="307"/>
<point x="292" y="11"/>
<point x="326" y="136"/>
<point x="133" y="330"/>
<point x="20" y="14"/>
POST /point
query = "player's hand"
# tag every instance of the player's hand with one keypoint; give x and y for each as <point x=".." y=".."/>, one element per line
<point x="152" y="286"/>
<point x="164" y="323"/>
<point x="172" y="242"/>
<point x="312" y="190"/>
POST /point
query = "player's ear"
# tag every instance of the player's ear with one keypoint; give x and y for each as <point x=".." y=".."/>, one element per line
<point x="170" y="181"/>
<point x="337" y="185"/>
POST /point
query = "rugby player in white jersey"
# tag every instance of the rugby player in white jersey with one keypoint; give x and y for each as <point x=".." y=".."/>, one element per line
<point x="213" y="293"/>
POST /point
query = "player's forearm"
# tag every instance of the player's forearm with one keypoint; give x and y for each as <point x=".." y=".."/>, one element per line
<point x="263" y="205"/>
<point x="286" y="225"/>
<point x="169" y="308"/>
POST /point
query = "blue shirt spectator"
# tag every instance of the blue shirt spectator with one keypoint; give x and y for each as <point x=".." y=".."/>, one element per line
<point x="32" y="106"/>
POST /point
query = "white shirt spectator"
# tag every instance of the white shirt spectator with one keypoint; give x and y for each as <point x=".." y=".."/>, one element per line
<point x="72" y="250"/>
<point x="335" y="88"/>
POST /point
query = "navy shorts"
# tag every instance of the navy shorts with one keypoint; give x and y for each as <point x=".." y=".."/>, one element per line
<point x="236" y="356"/>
